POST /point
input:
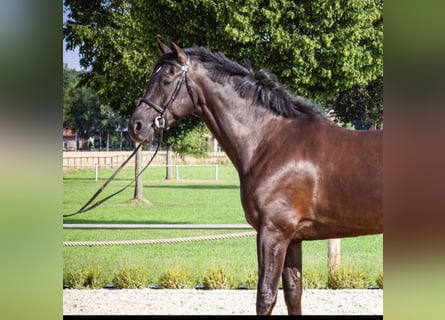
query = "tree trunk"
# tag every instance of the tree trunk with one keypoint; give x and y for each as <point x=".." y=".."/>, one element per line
<point x="75" y="141"/>
<point x="108" y="141"/>
<point x="169" y="173"/>
<point x="138" y="188"/>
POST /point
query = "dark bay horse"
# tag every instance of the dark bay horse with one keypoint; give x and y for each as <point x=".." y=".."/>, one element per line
<point x="302" y="177"/>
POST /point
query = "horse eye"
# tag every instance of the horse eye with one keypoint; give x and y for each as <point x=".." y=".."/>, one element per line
<point x="166" y="82"/>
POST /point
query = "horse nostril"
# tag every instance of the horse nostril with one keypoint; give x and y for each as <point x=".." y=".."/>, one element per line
<point x="138" y="126"/>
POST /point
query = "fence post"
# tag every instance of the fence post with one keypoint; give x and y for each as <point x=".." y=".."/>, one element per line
<point x="96" y="171"/>
<point x="177" y="172"/>
<point x="334" y="255"/>
<point x="168" y="162"/>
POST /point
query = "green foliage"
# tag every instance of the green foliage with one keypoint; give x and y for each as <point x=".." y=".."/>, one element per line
<point x="176" y="279"/>
<point x="318" y="48"/>
<point x="82" y="110"/>
<point x="315" y="278"/>
<point x="89" y="277"/>
<point x="70" y="81"/>
<point x="131" y="277"/>
<point x="112" y="45"/>
<point x="361" y="105"/>
<point x="379" y="280"/>
<point x="251" y="281"/>
<point x="216" y="278"/>
<point x="348" y="278"/>
<point x="193" y="143"/>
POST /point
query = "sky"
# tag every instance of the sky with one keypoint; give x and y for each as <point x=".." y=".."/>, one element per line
<point x="71" y="58"/>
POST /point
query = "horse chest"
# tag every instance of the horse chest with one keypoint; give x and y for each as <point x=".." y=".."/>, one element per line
<point x="286" y="195"/>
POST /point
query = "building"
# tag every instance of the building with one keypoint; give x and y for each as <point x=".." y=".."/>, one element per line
<point x="71" y="142"/>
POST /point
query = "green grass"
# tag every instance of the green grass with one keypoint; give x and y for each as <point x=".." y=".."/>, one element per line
<point x="197" y="199"/>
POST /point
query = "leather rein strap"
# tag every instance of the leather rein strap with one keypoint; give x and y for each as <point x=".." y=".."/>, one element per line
<point x="87" y="207"/>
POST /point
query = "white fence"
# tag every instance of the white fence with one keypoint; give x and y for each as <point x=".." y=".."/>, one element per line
<point x="98" y="160"/>
<point x="176" y="167"/>
<point x="215" y="166"/>
<point x="80" y="160"/>
<point x="112" y="159"/>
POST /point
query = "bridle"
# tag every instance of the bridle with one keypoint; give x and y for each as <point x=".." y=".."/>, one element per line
<point x="160" y="121"/>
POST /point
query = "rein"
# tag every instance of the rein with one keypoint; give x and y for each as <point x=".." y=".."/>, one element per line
<point x="87" y="207"/>
<point x="159" y="122"/>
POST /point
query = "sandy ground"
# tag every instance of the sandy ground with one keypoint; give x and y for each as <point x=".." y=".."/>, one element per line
<point x="214" y="302"/>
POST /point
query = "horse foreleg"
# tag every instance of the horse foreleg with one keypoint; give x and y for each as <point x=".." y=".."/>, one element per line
<point x="292" y="278"/>
<point x="271" y="249"/>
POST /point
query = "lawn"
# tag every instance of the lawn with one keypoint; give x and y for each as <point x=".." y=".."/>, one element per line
<point x="196" y="198"/>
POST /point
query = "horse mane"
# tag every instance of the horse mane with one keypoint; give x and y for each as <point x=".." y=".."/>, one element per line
<point x="261" y="85"/>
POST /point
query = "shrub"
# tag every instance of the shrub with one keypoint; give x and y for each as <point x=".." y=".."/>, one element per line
<point x="176" y="279"/>
<point x="90" y="277"/>
<point x="314" y="279"/>
<point x="379" y="280"/>
<point x="74" y="279"/>
<point x="348" y="278"/>
<point x="216" y="279"/>
<point x="131" y="277"/>
<point x="252" y="280"/>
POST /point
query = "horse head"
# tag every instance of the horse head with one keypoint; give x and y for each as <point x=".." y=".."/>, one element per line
<point x="169" y="95"/>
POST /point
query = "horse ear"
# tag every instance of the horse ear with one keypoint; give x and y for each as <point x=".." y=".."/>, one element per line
<point x="179" y="53"/>
<point x="163" y="47"/>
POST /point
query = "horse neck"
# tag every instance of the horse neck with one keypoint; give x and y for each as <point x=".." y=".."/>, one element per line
<point x="238" y="126"/>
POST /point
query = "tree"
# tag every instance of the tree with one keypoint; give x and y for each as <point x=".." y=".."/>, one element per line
<point x="112" y="48"/>
<point x="81" y="107"/>
<point x="70" y="81"/>
<point x="193" y="143"/>
<point x="318" y="48"/>
<point x="361" y="105"/>
<point x="110" y="122"/>
<point x="83" y="112"/>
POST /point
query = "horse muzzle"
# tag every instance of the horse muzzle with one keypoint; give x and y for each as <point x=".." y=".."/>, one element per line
<point x="140" y="130"/>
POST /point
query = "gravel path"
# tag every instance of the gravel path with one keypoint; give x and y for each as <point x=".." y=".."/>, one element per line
<point x="213" y="302"/>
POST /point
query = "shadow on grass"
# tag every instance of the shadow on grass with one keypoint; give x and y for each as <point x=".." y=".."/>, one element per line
<point x="98" y="179"/>
<point x="110" y="221"/>
<point x="210" y="184"/>
<point x="194" y="186"/>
